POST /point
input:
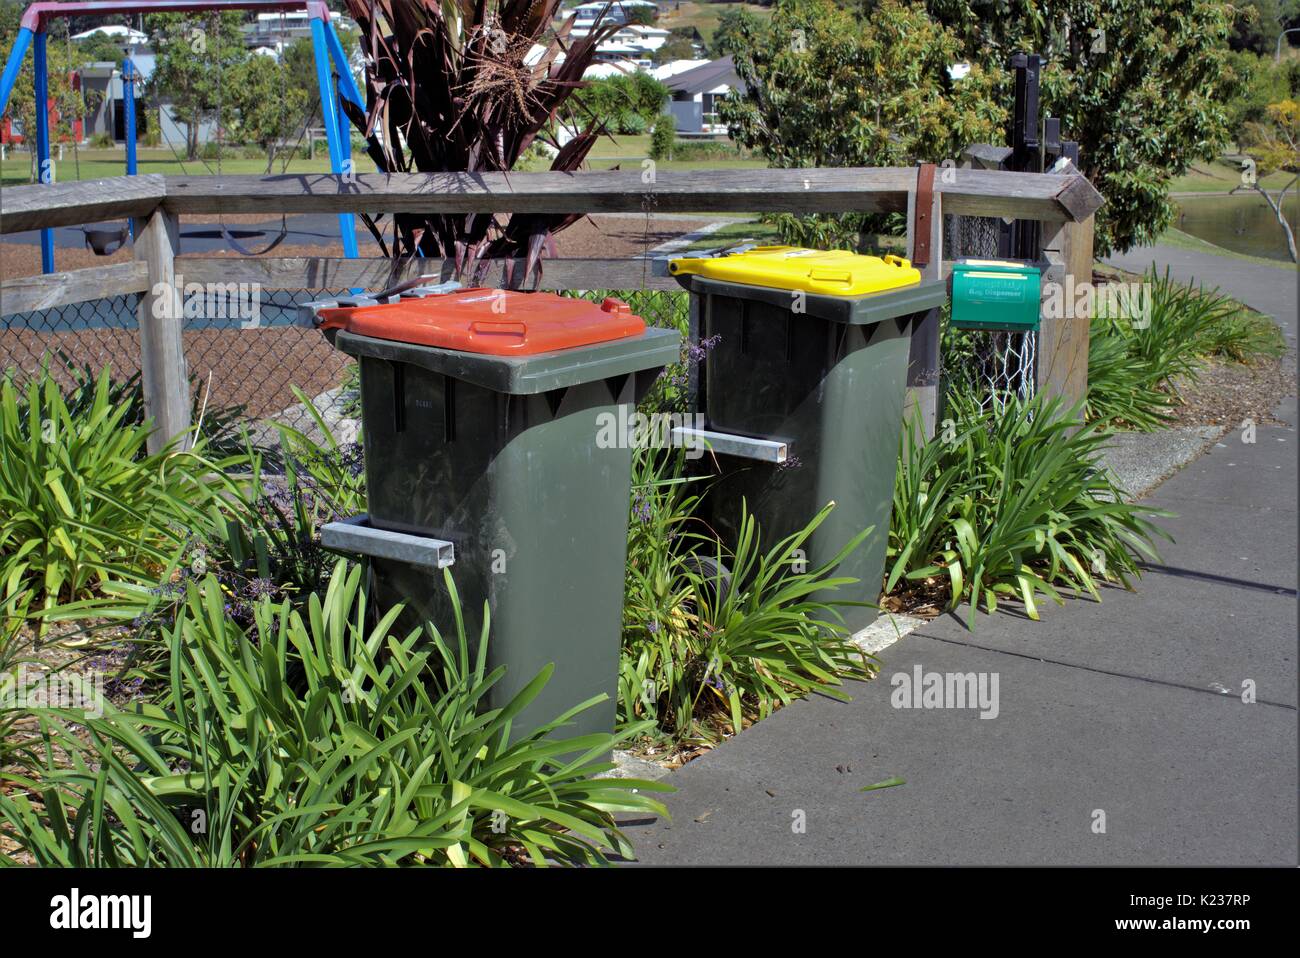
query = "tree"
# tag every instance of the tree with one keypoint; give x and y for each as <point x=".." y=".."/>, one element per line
<point x="641" y="15"/>
<point x="268" y="109"/>
<point x="827" y="86"/>
<point x="664" y="137"/>
<point x="1275" y="145"/>
<point x="680" y="45"/>
<point x="1260" y="23"/>
<point x="730" y="24"/>
<point x="68" y="103"/>
<point x="1260" y="82"/>
<point x="99" y="48"/>
<point x="300" y="61"/>
<point x="195" y="59"/>
<point x="1140" y="84"/>
<point x="470" y="87"/>
<point x="611" y="99"/>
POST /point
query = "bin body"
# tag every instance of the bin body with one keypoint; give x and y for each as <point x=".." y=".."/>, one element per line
<point x="499" y="456"/>
<point x="826" y="375"/>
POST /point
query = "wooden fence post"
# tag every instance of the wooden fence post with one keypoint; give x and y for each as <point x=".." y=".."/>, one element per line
<point x="1061" y="367"/>
<point x="923" y="362"/>
<point x="163" y="373"/>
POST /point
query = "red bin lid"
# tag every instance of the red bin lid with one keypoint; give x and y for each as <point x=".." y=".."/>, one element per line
<point x="492" y="321"/>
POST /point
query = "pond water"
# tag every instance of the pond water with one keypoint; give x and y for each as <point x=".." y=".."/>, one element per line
<point x="1242" y="223"/>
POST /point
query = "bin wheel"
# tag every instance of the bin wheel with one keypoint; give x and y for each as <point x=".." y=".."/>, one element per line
<point x="711" y="571"/>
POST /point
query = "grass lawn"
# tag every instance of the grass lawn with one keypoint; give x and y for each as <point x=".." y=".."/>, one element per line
<point x="1220" y="177"/>
<point x="702" y="16"/>
<point x="628" y="151"/>
<point x="1181" y="240"/>
<point x="98" y="164"/>
<point x="634" y="162"/>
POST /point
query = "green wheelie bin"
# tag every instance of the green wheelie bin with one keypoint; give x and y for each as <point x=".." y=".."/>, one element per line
<point x="802" y="390"/>
<point x="482" y="414"/>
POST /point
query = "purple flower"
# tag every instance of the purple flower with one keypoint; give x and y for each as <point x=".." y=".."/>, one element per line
<point x="696" y="352"/>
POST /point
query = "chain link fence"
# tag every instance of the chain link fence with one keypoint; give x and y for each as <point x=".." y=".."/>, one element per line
<point x="89" y="335"/>
<point x="245" y="354"/>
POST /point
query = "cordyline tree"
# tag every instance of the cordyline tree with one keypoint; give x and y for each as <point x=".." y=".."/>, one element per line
<point x="457" y="86"/>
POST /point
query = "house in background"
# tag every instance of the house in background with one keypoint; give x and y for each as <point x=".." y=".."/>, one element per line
<point x="107" y="110"/>
<point x="585" y="15"/>
<point x="695" y="88"/>
<point x="124" y="35"/>
<point x="275" y="31"/>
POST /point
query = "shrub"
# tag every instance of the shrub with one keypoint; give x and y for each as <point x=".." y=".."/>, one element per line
<point x="271" y="532"/>
<point x="79" y="497"/>
<point x="1122" y="388"/>
<point x="663" y="138"/>
<point x="630" y="124"/>
<point x="1013" y="504"/>
<point x="615" y="97"/>
<point x="260" y="539"/>
<point x="706" y="150"/>
<point x="310" y="739"/>
<point x="1133" y="368"/>
<point x="15" y="650"/>
<point x="704" y="654"/>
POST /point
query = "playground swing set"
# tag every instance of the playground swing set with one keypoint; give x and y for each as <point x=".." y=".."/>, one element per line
<point x="333" y="77"/>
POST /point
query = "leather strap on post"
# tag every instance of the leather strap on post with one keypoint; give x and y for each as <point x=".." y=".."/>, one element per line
<point x="921" y="227"/>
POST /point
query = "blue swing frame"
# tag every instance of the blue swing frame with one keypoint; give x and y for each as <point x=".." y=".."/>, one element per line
<point x="326" y="46"/>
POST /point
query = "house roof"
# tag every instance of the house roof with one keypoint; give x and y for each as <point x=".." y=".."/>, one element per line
<point x="114" y="30"/>
<point x="701" y="79"/>
<point x="666" y="70"/>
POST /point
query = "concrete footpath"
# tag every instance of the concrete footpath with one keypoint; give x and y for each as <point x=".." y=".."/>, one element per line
<point x="1119" y="734"/>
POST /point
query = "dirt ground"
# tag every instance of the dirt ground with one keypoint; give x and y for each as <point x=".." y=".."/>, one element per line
<point x="1227" y="393"/>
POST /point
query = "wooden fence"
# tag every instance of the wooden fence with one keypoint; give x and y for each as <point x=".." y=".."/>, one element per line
<point x="1064" y="203"/>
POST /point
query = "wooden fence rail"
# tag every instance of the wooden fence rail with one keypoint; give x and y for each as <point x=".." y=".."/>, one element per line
<point x="1065" y="203"/>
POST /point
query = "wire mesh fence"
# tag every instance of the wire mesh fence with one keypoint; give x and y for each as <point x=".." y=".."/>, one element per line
<point x="93" y="334"/>
<point x="246" y="356"/>
<point x="244" y="350"/>
<point x="994" y="366"/>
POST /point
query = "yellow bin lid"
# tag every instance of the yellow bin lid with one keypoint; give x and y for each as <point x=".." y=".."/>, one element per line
<point x="836" y="272"/>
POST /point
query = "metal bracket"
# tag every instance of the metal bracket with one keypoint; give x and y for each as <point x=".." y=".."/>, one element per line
<point x="729" y="444"/>
<point x="357" y="535"/>
<point x="742" y="246"/>
<point x="308" y="313"/>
